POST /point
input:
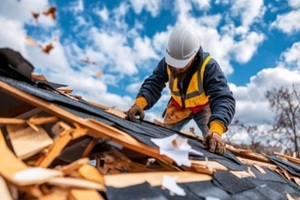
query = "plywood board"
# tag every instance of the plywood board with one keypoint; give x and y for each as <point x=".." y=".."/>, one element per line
<point x="153" y="178"/>
<point x="26" y="141"/>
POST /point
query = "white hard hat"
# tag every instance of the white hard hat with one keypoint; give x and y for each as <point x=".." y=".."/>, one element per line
<point x="183" y="44"/>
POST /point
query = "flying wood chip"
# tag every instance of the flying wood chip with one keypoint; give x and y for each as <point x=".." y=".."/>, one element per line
<point x="47" y="48"/>
<point x="99" y="73"/>
<point x="35" y="16"/>
<point x="30" y="41"/>
<point x="50" y="12"/>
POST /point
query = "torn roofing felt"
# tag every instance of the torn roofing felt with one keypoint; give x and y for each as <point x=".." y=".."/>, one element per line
<point x="141" y="131"/>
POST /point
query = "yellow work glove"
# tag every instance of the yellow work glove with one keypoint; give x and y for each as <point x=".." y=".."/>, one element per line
<point x="135" y="111"/>
<point x="213" y="142"/>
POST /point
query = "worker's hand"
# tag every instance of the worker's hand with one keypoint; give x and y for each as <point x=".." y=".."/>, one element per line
<point x="135" y="111"/>
<point x="213" y="142"/>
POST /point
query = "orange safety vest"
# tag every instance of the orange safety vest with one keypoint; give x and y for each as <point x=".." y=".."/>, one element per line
<point x="195" y="96"/>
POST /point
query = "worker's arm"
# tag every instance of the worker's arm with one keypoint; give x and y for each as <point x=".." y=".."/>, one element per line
<point x="222" y="103"/>
<point x="151" y="89"/>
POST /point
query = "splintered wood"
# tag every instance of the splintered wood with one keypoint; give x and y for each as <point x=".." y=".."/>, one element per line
<point x="27" y="144"/>
<point x="26" y="141"/>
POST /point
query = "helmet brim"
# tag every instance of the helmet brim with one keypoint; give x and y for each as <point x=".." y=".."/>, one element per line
<point x="176" y="62"/>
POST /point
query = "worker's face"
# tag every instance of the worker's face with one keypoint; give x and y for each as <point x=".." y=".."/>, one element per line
<point x="181" y="72"/>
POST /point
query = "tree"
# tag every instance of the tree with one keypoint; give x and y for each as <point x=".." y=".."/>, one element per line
<point x="286" y="104"/>
<point x="257" y="141"/>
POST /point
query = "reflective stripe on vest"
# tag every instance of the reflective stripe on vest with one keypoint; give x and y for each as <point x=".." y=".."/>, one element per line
<point x="195" y="94"/>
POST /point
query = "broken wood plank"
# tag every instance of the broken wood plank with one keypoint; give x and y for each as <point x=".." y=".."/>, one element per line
<point x="255" y="162"/>
<point x="289" y="158"/>
<point x="75" y="182"/>
<point x="38" y="77"/>
<point x="116" y="112"/>
<point x="2" y="139"/>
<point x="4" y="191"/>
<point x="37" y="120"/>
<point x="260" y="169"/>
<point x="209" y="164"/>
<point x="90" y="173"/>
<point x="27" y="142"/>
<point x="89" y="147"/>
<point x="67" y="169"/>
<point x="59" y="144"/>
<point x="7" y="169"/>
<point x="35" y="175"/>
<point x="12" y="121"/>
<point x="97" y="104"/>
<point x="65" y="90"/>
<point x="247" y="154"/>
<point x="153" y="178"/>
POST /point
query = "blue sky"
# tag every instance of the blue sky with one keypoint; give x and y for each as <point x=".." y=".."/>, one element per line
<point x="256" y="43"/>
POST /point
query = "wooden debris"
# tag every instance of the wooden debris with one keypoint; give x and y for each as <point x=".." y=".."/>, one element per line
<point x="30" y="41"/>
<point x="90" y="173"/>
<point x="4" y="191"/>
<point x="27" y="142"/>
<point x="50" y="12"/>
<point x="117" y="113"/>
<point x="55" y="149"/>
<point x="254" y="162"/>
<point x="241" y="174"/>
<point x="75" y="182"/>
<point x="35" y="15"/>
<point x="35" y="175"/>
<point x="153" y="178"/>
<point x="259" y="168"/>
<point x="289" y="158"/>
<point x="65" y="90"/>
<point x="36" y="120"/>
<point x="38" y="77"/>
<point x="74" y="166"/>
<point x="12" y="121"/>
<point x="99" y="73"/>
<point x="47" y="48"/>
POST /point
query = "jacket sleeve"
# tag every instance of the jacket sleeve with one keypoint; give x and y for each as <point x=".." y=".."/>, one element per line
<point x="221" y="100"/>
<point x="153" y="85"/>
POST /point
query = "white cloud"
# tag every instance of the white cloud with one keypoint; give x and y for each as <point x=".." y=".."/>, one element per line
<point x="13" y="36"/>
<point x="76" y="7"/>
<point x="143" y="49"/>
<point x="103" y="13"/>
<point x="252" y="107"/>
<point x="291" y="58"/>
<point x="118" y="54"/>
<point x="133" y="88"/>
<point x="202" y="4"/>
<point x="288" y="23"/>
<point x="152" y="6"/>
<point x="294" y="3"/>
<point x="160" y="40"/>
<point x="245" y="48"/>
<point x="248" y="10"/>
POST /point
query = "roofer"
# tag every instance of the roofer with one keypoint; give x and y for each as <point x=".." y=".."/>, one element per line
<point x="198" y="89"/>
